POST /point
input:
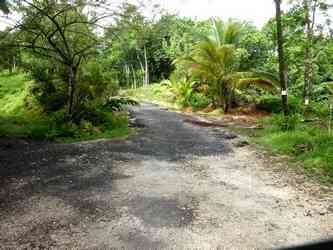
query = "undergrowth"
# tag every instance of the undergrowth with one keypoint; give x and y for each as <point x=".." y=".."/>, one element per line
<point x="308" y="144"/>
<point x="21" y="117"/>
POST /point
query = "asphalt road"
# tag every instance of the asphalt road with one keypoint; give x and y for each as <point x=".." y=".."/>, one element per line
<point x="175" y="185"/>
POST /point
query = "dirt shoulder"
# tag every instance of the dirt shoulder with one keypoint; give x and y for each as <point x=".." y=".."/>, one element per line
<point x="176" y="185"/>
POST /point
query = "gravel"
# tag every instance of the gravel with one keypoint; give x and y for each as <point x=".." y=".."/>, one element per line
<point x="174" y="185"/>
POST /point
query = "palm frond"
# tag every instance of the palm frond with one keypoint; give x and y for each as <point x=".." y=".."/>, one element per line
<point x="259" y="82"/>
<point x="259" y="74"/>
<point x="225" y="32"/>
<point x="232" y="32"/>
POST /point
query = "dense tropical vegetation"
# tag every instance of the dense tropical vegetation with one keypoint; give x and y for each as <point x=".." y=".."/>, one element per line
<point x="63" y="63"/>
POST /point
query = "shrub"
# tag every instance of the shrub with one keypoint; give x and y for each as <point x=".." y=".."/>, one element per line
<point x="95" y="81"/>
<point x="199" y="101"/>
<point x="273" y="104"/>
<point x="289" y="122"/>
<point x="117" y="104"/>
<point x="318" y="109"/>
<point x="181" y="88"/>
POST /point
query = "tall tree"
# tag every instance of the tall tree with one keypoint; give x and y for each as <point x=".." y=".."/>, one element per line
<point x="310" y="8"/>
<point x="59" y="32"/>
<point x="282" y="63"/>
<point x="309" y="24"/>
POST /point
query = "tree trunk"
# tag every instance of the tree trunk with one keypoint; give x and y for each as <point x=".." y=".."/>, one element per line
<point x="309" y="25"/>
<point x="142" y="69"/>
<point x="282" y="64"/>
<point x="146" y="67"/>
<point x="134" y="77"/>
<point x="226" y="106"/>
<point x="14" y="63"/>
<point x="226" y="92"/>
<point x="71" y="89"/>
<point x="127" y="73"/>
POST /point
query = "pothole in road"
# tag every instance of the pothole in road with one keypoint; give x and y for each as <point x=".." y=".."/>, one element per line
<point x="159" y="212"/>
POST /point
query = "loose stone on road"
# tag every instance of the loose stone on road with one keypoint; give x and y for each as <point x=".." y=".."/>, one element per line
<point x="174" y="185"/>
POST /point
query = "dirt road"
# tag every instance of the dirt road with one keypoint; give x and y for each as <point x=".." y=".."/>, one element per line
<point x="173" y="186"/>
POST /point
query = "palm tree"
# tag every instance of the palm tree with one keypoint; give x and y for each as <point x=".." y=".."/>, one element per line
<point x="216" y="61"/>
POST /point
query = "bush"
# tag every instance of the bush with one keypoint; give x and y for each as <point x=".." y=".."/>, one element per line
<point x="273" y="104"/>
<point x="199" y="101"/>
<point x="96" y="82"/>
<point x="117" y="104"/>
<point x="284" y="123"/>
<point x="318" y="109"/>
<point x="48" y="88"/>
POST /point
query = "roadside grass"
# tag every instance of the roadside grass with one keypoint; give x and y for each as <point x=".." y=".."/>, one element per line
<point x="116" y="126"/>
<point x="153" y="93"/>
<point x="307" y="145"/>
<point x="21" y="117"/>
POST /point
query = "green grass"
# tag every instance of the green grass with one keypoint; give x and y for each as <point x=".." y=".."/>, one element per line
<point x="17" y="119"/>
<point x="154" y="93"/>
<point x="116" y="126"/>
<point x="13" y="91"/>
<point x="309" y="146"/>
<point x="21" y="117"/>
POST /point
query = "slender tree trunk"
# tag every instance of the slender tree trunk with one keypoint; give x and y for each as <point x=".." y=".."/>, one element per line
<point x="142" y="69"/>
<point x="134" y="77"/>
<point x="14" y="63"/>
<point x="146" y="67"/>
<point x="127" y="75"/>
<point x="224" y="96"/>
<point x="282" y="63"/>
<point x="227" y="99"/>
<point x="71" y="88"/>
<point x="309" y="26"/>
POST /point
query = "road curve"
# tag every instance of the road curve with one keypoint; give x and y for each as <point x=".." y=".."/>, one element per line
<point x="173" y="186"/>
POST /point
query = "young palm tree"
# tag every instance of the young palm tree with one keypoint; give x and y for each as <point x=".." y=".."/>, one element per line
<point x="216" y="61"/>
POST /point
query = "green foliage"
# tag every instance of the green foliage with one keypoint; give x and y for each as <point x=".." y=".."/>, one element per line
<point x="199" y="101"/>
<point x="13" y="93"/>
<point x="312" y="147"/>
<point x="118" y="104"/>
<point x="216" y="61"/>
<point x="10" y="55"/>
<point x="23" y="127"/>
<point x="22" y="117"/>
<point x="284" y="123"/>
<point x="96" y="82"/>
<point x="272" y="103"/>
<point x="157" y="43"/>
<point x="181" y="88"/>
<point x="295" y="42"/>
<point x="257" y="47"/>
<point x="320" y="109"/>
<point x="48" y="87"/>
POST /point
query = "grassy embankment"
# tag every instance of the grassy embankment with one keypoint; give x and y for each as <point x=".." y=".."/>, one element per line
<point x="308" y="144"/>
<point x="21" y="117"/>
